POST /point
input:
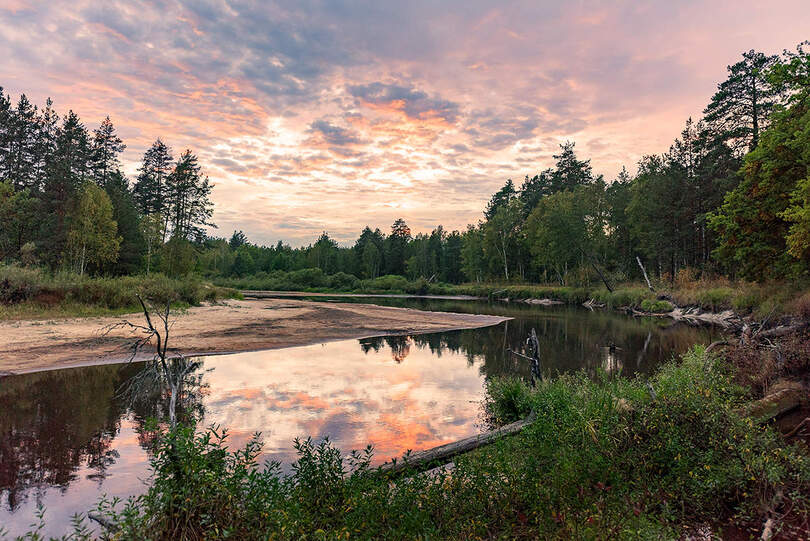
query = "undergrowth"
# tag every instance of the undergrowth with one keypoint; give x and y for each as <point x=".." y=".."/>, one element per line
<point x="31" y="292"/>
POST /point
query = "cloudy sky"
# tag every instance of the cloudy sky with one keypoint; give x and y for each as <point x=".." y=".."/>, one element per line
<point x="317" y="115"/>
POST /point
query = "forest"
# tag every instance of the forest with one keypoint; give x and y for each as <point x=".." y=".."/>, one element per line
<point x="731" y="197"/>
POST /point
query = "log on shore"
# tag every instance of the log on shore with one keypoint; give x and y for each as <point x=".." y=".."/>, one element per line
<point x="784" y="396"/>
<point x="443" y="453"/>
<point x="783" y="330"/>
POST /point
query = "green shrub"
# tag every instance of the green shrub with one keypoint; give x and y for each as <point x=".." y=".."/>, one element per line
<point x="656" y="307"/>
<point x="343" y="282"/>
<point x="507" y="400"/>
<point x="389" y="283"/>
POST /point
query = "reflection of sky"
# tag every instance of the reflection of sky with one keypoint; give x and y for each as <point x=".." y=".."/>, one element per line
<point x="332" y="390"/>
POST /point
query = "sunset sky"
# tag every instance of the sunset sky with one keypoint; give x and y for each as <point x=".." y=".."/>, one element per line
<point x="312" y="116"/>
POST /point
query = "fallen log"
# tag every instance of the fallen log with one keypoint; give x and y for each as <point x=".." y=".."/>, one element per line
<point x="106" y="523"/>
<point x="783" y="397"/>
<point x="443" y="453"/>
<point x="783" y="330"/>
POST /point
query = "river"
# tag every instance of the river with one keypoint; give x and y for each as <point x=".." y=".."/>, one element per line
<point x="68" y="436"/>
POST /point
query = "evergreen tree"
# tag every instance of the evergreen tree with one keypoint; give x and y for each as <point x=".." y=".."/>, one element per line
<point x="17" y="218"/>
<point x="569" y="172"/>
<point x="740" y="108"/>
<point x="759" y="216"/>
<point x="130" y="255"/>
<point x="67" y="171"/>
<point x="237" y="239"/>
<point x="18" y="157"/>
<point x="396" y="246"/>
<point x="188" y="204"/>
<point x="104" y="151"/>
<point x="150" y="191"/>
<point x="500" y="199"/>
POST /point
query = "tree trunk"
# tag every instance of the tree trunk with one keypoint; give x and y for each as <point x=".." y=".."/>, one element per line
<point x="649" y="285"/>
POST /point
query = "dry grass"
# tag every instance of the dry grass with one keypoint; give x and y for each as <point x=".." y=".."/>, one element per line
<point x="758" y="366"/>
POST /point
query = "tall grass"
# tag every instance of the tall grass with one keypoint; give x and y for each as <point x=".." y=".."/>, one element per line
<point x="31" y="291"/>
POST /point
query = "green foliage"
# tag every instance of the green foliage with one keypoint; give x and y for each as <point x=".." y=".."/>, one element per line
<point x="507" y="400"/>
<point x="17" y="219"/>
<point x="93" y="235"/>
<point x="656" y="307"/>
<point x="602" y="460"/>
<point x="767" y="210"/>
<point x="43" y="292"/>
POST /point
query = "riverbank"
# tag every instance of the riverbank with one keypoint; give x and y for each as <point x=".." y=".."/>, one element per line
<point x="714" y="302"/>
<point x="227" y="327"/>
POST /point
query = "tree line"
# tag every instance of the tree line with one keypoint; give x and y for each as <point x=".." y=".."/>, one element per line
<point x="66" y="204"/>
<point x="730" y="196"/>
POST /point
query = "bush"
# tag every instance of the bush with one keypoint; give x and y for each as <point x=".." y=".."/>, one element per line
<point x="18" y="284"/>
<point x="507" y="400"/>
<point x="343" y="282"/>
<point x="390" y="283"/>
<point x="656" y="307"/>
<point x="37" y="288"/>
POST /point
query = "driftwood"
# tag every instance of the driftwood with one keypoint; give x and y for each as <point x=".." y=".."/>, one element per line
<point x="106" y="523"/>
<point x="784" y="397"/>
<point x="716" y="344"/>
<point x="543" y="302"/>
<point x="444" y="453"/>
<point x="783" y="330"/>
<point x="644" y="272"/>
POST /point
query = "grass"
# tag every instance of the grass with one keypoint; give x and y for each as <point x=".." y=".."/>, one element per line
<point x="603" y="460"/>
<point x="30" y="293"/>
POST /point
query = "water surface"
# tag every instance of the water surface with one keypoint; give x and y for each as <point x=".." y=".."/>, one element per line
<point x="69" y="436"/>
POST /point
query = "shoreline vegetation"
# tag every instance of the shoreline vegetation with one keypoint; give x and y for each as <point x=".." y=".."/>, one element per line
<point x="744" y="299"/>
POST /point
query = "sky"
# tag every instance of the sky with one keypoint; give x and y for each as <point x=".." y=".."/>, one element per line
<point x="313" y="116"/>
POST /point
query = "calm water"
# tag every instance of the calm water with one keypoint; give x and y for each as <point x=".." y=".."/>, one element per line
<point x="69" y="436"/>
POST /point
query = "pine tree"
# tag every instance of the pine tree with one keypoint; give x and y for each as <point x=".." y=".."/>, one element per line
<point x="740" y="108"/>
<point x="188" y="199"/>
<point x="66" y="172"/>
<point x="18" y="161"/>
<point x="129" y="228"/>
<point x="150" y="190"/>
<point x="104" y="151"/>
<point x="500" y="199"/>
<point x="396" y="246"/>
<point x="569" y="172"/>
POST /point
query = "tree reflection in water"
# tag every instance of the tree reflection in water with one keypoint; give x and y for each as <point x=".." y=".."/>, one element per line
<point x="53" y="424"/>
<point x="162" y="394"/>
<point x="57" y="423"/>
